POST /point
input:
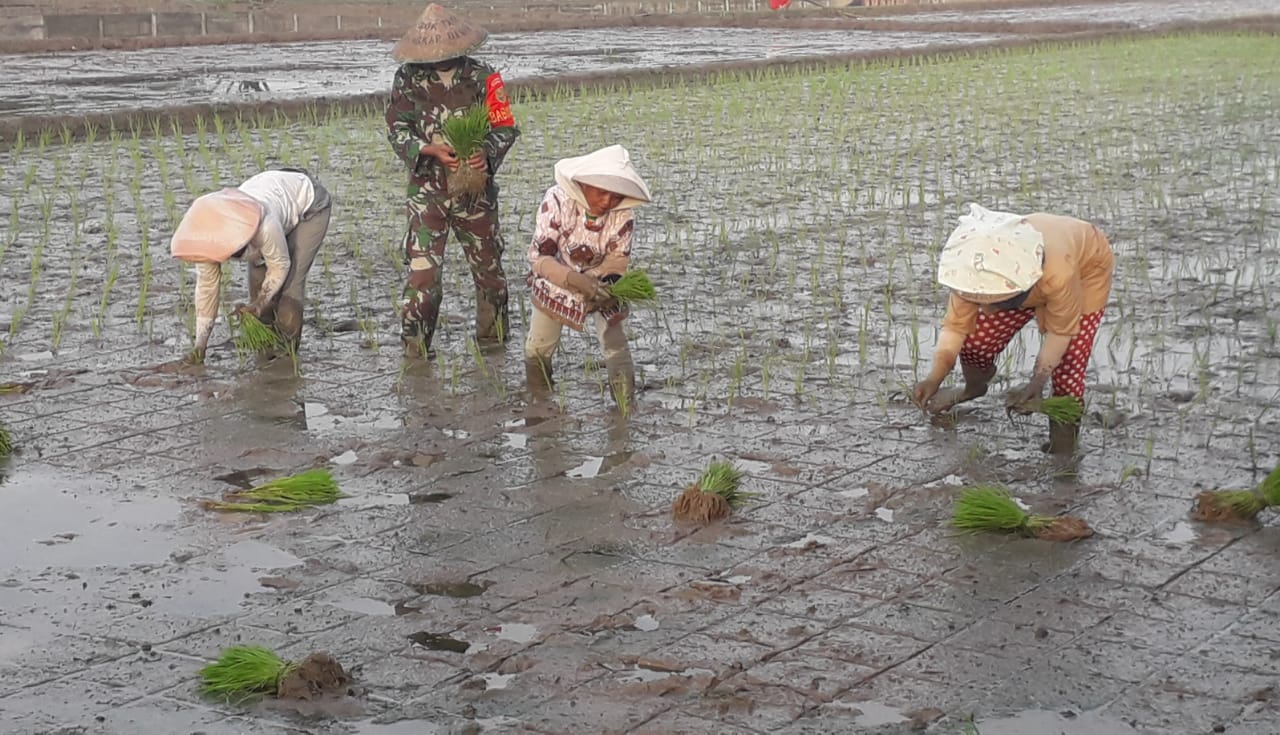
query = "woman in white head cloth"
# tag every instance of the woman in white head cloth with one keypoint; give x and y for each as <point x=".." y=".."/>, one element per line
<point x="581" y="243"/>
<point x="1003" y="269"/>
<point x="275" y="222"/>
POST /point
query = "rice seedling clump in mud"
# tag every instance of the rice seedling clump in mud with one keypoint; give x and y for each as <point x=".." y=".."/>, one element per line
<point x="715" y="495"/>
<point x="992" y="508"/>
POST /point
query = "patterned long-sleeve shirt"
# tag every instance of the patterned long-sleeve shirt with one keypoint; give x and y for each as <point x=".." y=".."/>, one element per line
<point x="565" y="239"/>
<point x="422" y="97"/>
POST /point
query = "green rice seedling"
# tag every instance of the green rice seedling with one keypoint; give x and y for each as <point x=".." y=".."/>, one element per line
<point x="715" y="495"/>
<point x="465" y="133"/>
<point x="992" y="508"/>
<point x="283" y="495"/>
<point x="634" y="287"/>
<point x="254" y="336"/>
<point x="6" y="442"/>
<point x="1227" y="505"/>
<point x="1063" y="409"/>
<point x="243" y="671"/>
<point x="1238" y="505"/>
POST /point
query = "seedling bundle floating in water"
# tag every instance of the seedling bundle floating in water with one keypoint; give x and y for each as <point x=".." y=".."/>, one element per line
<point x="465" y="133"/>
<point x="6" y="442"/>
<point x="992" y="508"/>
<point x="245" y="671"/>
<point x="304" y="490"/>
<point x="715" y="495"/>
<point x="634" y="287"/>
<point x="1238" y="505"/>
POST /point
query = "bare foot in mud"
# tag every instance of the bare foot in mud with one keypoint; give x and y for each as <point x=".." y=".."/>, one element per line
<point x="947" y="398"/>
<point x="317" y="675"/>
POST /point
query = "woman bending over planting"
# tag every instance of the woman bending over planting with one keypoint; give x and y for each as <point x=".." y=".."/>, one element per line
<point x="1003" y="269"/>
<point x="582" y="243"/>
<point x="275" y="222"/>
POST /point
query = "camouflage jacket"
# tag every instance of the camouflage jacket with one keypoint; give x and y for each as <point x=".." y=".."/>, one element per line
<point x="420" y="101"/>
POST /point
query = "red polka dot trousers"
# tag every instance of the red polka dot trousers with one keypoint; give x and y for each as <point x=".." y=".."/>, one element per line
<point x="994" y="332"/>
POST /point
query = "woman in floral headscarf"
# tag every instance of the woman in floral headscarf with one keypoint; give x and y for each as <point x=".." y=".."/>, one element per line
<point x="582" y="243"/>
<point x="1003" y="269"/>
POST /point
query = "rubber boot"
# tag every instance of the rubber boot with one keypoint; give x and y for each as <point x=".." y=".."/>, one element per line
<point x="622" y="380"/>
<point x="537" y="375"/>
<point x="1063" y="438"/>
<point x="491" y="316"/>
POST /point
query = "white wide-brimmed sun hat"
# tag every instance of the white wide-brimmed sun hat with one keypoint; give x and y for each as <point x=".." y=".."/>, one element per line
<point x="216" y="226"/>
<point x="437" y="36"/>
<point x="609" y="169"/>
<point x="991" y="256"/>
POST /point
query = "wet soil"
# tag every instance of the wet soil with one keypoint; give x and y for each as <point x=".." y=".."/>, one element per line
<point x="797" y="279"/>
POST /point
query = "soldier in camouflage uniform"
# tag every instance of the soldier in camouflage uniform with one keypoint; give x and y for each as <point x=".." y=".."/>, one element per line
<point x="436" y="80"/>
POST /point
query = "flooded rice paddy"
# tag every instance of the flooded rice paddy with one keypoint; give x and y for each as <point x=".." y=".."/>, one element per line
<point x="504" y="564"/>
<point x="81" y="82"/>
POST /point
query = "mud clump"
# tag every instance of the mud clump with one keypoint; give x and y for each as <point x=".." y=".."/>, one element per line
<point x="1064" y="528"/>
<point x="696" y="506"/>
<point x="315" y="676"/>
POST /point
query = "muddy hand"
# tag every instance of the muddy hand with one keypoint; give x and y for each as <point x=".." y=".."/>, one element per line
<point x="251" y="309"/>
<point x="1024" y="400"/>
<point x="923" y="393"/>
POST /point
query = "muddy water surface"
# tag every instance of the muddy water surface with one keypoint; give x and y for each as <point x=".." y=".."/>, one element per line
<point x="541" y="572"/>
<point x="1140" y="14"/>
<point x="78" y="82"/>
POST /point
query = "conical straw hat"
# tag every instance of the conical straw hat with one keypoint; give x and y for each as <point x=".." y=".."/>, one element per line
<point x="438" y="35"/>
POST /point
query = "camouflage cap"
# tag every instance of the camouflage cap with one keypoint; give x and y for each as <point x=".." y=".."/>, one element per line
<point x="438" y="35"/>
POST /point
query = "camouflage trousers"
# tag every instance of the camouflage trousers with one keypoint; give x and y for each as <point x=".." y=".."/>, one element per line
<point x="474" y="222"/>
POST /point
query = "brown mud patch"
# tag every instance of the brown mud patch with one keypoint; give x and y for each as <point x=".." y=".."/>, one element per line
<point x="69" y="128"/>
<point x="316" y="676"/>
<point x="1064" y="529"/>
<point x="695" y="506"/>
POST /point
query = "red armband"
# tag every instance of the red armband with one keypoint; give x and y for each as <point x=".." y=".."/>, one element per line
<point x="495" y="98"/>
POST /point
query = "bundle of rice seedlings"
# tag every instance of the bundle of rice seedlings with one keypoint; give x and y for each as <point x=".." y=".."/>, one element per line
<point x="304" y="490"/>
<point x="715" y="495"/>
<point x="243" y="671"/>
<point x="1227" y="505"/>
<point x="992" y="508"/>
<point x="254" y="336"/>
<point x="634" y="287"/>
<point x="1237" y="505"/>
<point x="1063" y="409"/>
<point x="6" y="442"/>
<point x="465" y="133"/>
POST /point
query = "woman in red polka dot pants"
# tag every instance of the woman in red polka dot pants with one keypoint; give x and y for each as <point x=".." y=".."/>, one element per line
<point x="1003" y="270"/>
